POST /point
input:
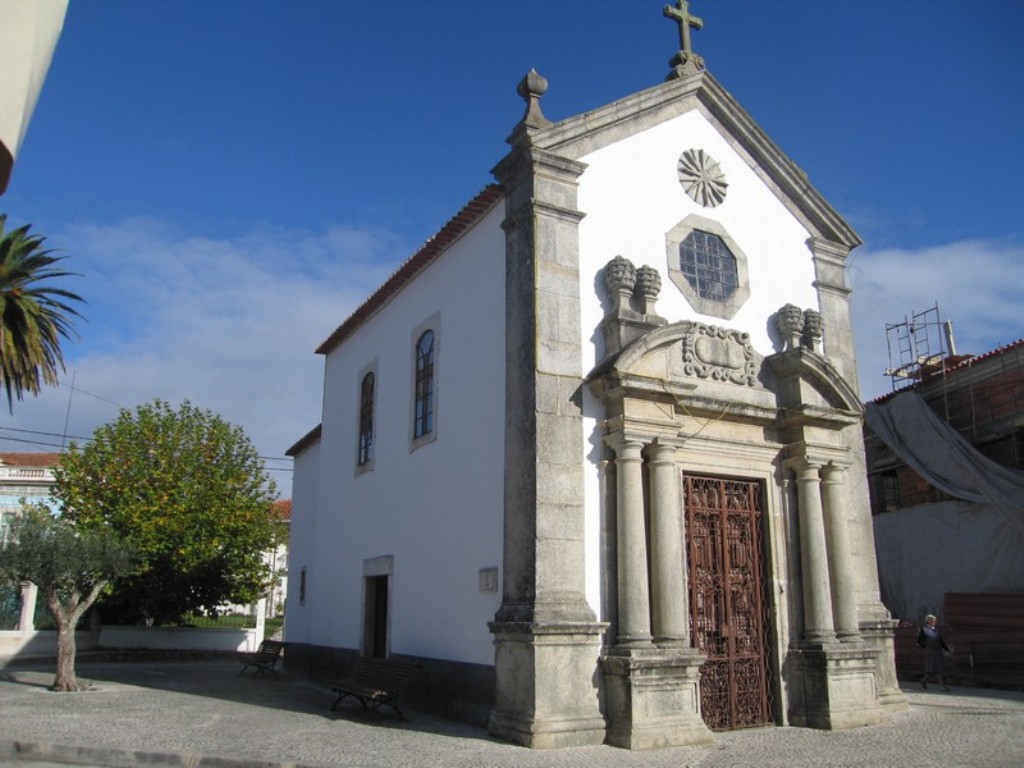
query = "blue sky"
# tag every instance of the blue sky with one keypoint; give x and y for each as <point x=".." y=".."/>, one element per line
<point x="231" y="178"/>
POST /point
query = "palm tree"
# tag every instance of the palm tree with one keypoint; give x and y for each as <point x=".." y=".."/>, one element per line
<point x="33" y="317"/>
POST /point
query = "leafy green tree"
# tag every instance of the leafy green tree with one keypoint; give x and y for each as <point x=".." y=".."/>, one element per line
<point x="189" y="491"/>
<point x="70" y="567"/>
<point x="33" y="315"/>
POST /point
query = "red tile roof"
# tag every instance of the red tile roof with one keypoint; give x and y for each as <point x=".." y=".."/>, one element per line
<point x="424" y="257"/>
<point x="973" y="360"/>
<point x="962" y="362"/>
<point x="281" y="510"/>
<point x="26" y="459"/>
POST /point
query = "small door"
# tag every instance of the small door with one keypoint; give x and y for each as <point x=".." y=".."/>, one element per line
<point x="375" y="617"/>
<point x="724" y="533"/>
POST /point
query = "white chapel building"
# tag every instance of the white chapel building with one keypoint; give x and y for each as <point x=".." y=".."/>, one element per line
<point x="593" y="457"/>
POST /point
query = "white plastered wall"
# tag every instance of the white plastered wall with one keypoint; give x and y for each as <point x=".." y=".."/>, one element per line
<point x="631" y="195"/>
<point x="438" y="510"/>
<point x="301" y="549"/>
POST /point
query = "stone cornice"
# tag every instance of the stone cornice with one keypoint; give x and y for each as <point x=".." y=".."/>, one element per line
<point x="810" y="366"/>
<point x="582" y="134"/>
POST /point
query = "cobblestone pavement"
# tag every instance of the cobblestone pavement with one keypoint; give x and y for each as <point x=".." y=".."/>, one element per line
<point x="202" y="713"/>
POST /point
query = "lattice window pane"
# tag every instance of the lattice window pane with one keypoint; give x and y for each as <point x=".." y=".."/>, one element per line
<point x="424" y="416"/>
<point x="709" y="266"/>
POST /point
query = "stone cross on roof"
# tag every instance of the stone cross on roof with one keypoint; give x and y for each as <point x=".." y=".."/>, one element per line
<point x="685" y="62"/>
<point x="681" y="14"/>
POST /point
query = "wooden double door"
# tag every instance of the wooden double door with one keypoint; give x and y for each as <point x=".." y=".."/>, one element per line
<point x="728" y="607"/>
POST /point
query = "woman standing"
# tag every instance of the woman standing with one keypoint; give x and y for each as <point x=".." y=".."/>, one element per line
<point x="930" y="638"/>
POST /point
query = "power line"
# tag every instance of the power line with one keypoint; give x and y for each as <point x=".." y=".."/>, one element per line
<point x="45" y="434"/>
<point x="89" y="439"/>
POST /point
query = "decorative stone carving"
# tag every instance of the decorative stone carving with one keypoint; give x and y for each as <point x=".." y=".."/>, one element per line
<point x="790" y="322"/>
<point x="633" y="293"/>
<point x="702" y="178"/>
<point x="620" y="279"/>
<point x="719" y="354"/>
<point x="648" y="281"/>
<point x="619" y="275"/>
<point x="531" y="88"/>
<point x="813" y="329"/>
<point x="648" y="286"/>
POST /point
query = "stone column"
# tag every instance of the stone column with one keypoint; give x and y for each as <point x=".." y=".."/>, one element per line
<point x="670" y="620"/>
<point x="631" y="535"/>
<point x="840" y="561"/>
<point x="652" y="692"/>
<point x="818" y="627"/>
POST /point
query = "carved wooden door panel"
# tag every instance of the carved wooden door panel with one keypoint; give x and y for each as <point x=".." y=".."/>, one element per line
<point x="724" y="523"/>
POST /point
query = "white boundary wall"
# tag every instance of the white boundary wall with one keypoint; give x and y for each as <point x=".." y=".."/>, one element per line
<point x="30" y="641"/>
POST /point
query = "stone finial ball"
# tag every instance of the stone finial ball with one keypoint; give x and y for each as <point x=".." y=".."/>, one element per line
<point x="619" y="274"/>
<point x="648" y="281"/>
<point x="534" y="84"/>
<point x="789" y="320"/>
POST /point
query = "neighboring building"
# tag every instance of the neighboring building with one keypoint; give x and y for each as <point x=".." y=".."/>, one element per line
<point x="599" y="501"/>
<point x="23" y="476"/>
<point x="946" y="468"/>
<point x="277" y="559"/>
<point x="28" y="37"/>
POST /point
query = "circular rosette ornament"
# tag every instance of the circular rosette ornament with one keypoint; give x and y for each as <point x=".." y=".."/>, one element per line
<point x="702" y="178"/>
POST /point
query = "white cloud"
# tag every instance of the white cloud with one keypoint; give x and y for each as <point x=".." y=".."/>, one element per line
<point x="976" y="283"/>
<point x="230" y="324"/>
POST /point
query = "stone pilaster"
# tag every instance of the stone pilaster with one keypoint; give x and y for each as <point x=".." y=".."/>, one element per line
<point x="654" y="701"/>
<point x="547" y="638"/>
<point x="877" y="634"/>
<point x="835" y="688"/>
<point x="834" y="304"/>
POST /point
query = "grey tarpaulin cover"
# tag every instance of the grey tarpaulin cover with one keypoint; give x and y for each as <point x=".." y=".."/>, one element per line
<point x="972" y="545"/>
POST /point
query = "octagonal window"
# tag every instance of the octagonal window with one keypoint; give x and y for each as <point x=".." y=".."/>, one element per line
<point x="708" y="265"/>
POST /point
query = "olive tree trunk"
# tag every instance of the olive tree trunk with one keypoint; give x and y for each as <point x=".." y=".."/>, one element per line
<point x="66" y="617"/>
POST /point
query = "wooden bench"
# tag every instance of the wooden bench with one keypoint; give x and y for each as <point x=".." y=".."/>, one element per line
<point x="375" y="682"/>
<point x="263" y="658"/>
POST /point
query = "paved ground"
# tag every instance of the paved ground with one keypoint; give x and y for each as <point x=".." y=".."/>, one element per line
<point x="201" y="713"/>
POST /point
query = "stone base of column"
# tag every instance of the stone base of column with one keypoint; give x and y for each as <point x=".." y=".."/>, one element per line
<point x="878" y="634"/>
<point x="546" y="695"/>
<point x="653" y="700"/>
<point x="834" y="688"/>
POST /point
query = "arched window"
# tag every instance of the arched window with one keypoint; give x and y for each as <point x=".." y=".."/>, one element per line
<point x="366" y="393"/>
<point x="423" y="419"/>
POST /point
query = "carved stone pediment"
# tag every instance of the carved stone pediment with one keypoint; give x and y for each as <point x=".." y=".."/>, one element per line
<point x="719" y="354"/>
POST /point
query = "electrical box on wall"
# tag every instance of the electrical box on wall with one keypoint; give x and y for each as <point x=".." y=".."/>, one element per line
<point x="489" y="579"/>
